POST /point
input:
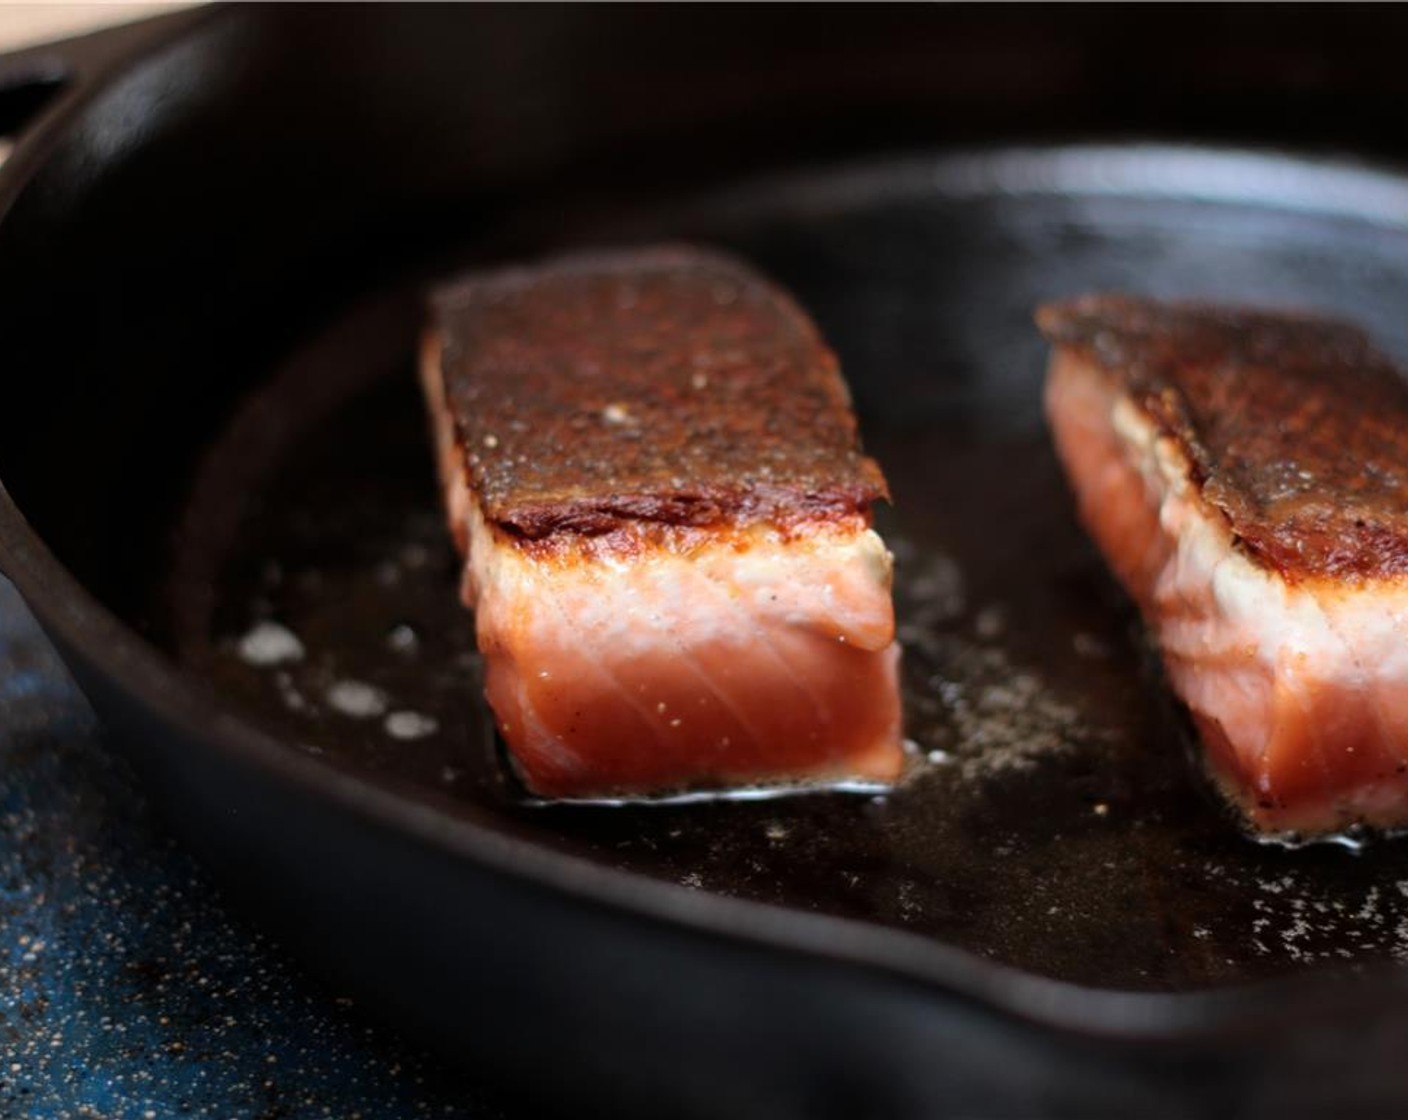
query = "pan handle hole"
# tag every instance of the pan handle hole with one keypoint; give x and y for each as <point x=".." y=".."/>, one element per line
<point x="23" y="97"/>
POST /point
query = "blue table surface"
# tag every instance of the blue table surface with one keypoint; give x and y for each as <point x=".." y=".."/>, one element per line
<point x="127" y="992"/>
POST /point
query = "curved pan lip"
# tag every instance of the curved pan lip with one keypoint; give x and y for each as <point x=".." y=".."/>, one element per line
<point x="1183" y="171"/>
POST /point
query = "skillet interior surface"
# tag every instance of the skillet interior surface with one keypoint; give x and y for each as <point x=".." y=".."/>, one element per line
<point x="1055" y="819"/>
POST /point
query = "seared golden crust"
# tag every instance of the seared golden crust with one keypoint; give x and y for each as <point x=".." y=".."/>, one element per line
<point x="670" y="385"/>
<point x="1296" y="428"/>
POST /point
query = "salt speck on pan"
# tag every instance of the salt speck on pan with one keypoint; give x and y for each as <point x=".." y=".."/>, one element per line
<point x="268" y="643"/>
<point x="989" y="622"/>
<point x="410" y="725"/>
<point x="1088" y="645"/>
<point x="1002" y="719"/>
<point x="356" y="699"/>
<point x="402" y="639"/>
<point x="292" y="698"/>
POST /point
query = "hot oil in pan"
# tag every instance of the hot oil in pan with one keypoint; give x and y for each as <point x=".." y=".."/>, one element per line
<point x="1054" y="821"/>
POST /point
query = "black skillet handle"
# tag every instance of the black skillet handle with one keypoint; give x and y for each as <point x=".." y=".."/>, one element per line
<point x="36" y="85"/>
<point x="36" y="81"/>
<point x="30" y="80"/>
<point x="25" y="88"/>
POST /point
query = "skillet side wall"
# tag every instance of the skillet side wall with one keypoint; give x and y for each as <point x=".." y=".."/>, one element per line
<point x="583" y="1008"/>
<point x="241" y="183"/>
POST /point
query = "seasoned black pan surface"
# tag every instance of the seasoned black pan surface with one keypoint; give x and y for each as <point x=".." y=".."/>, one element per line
<point x="1056" y="818"/>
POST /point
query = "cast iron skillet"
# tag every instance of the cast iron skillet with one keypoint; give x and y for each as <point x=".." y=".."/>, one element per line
<point x="211" y="244"/>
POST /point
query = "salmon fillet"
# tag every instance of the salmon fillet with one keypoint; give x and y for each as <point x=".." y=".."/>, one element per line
<point x="1245" y="473"/>
<point x="652" y="468"/>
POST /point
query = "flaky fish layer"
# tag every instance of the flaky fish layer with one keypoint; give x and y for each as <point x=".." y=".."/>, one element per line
<point x="700" y="602"/>
<point x="1297" y="679"/>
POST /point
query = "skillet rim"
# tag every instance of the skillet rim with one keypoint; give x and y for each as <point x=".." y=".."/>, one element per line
<point x="69" y="613"/>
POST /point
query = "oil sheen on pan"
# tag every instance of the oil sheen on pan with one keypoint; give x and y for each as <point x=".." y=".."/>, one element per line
<point x="1057" y="818"/>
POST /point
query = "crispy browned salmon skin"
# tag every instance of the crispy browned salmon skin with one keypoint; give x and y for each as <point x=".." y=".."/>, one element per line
<point x="1245" y="473"/>
<point x="652" y="467"/>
